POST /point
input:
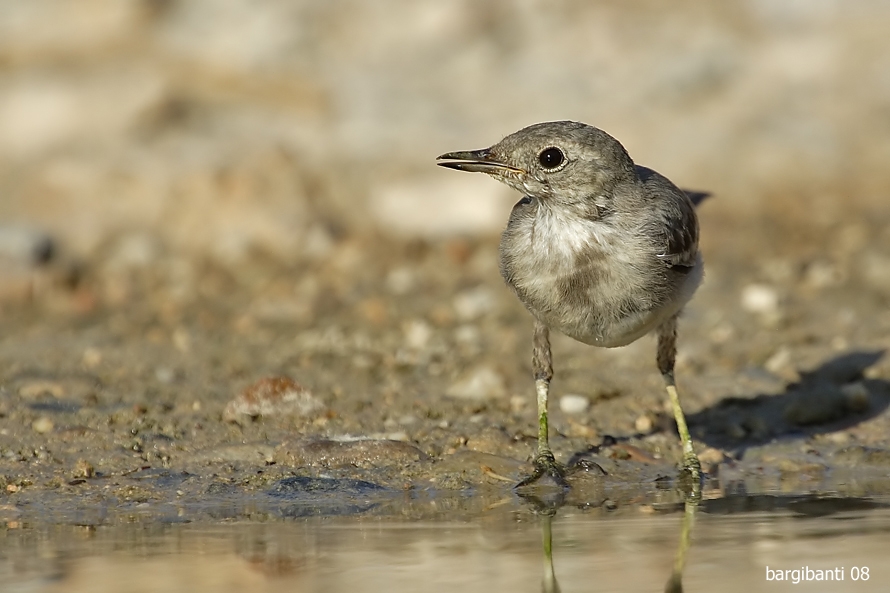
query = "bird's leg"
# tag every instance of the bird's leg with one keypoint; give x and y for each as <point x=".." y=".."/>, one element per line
<point x="542" y="364"/>
<point x="667" y="354"/>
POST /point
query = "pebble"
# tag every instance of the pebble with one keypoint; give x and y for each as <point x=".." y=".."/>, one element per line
<point x="42" y="425"/>
<point x="712" y="456"/>
<point x="272" y="396"/>
<point x="496" y="441"/>
<point x="780" y="362"/>
<point x="401" y="281"/>
<point x="644" y="424"/>
<point x="84" y="469"/>
<point x="25" y="245"/>
<point x="473" y="303"/>
<point x="92" y="357"/>
<point x="41" y="387"/>
<point x="760" y="298"/>
<point x="573" y="404"/>
<point x="417" y="334"/>
<point x="857" y="396"/>
<point x="478" y="384"/>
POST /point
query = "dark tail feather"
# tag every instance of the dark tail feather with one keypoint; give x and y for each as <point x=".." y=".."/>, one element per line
<point x="697" y="197"/>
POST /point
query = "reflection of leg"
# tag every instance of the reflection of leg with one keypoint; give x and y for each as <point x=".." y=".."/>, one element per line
<point x="542" y="364"/>
<point x="667" y="354"/>
<point x="549" y="585"/>
<point x="675" y="583"/>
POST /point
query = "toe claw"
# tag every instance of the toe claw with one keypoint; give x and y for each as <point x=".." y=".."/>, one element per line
<point x="546" y="465"/>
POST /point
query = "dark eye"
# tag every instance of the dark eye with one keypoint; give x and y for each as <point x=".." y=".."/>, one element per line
<point x="551" y="158"/>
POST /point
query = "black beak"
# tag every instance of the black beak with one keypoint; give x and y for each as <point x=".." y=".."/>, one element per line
<point x="477" y="161"/>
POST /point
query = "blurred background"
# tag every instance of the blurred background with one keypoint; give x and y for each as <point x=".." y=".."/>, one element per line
<point x="223" y="128"/>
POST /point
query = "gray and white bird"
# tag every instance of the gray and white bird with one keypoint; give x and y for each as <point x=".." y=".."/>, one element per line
<point x="600" y="249"/>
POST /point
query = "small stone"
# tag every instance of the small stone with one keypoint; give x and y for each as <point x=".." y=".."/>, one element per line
<point x="480" y="383"/>
<point x="42" y="425"/>
<point x="473" y="303"/>
<point x="41" y="387"/>
<point x="272" y="396"/>
<point x="92" y="357"/>
<point x="839" y="438"/>
<point x="84" y="469"/>
<point x="165" y="375"/>
<point x="573" y="404"/>
<point x="780" y="362"/>
<point x="760" y="298"/>
<point x="822" y="274"/>
<point x="712" y="456"/>
<point x="856" y="395"/>
<point x="494" y="440"/>
<point x="417" y="334"/>
<point x="25" y="245"/>
<point x="644" y="424"/>
<point x="400" y="281"/>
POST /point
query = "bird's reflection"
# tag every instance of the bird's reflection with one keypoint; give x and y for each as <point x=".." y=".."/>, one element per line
<point x="546" y="509"/>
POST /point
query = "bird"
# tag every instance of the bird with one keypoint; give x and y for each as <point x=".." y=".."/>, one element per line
<point x="598" y="248"/>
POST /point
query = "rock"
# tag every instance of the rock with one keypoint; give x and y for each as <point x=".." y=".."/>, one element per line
<point x="272" y="396"/>
<point x="496" y="441"/>
<point x="302" y="486"/>
<point x="24" y="245"/>
<point x="644" y="424"/>
<point x="40" y="387"/>
<point x="712" y="456"/>
<point x="573" y="404"/>
<point x="856" y="396"/>
<point x="42" y="425"/>
<point x="779" y="363"/>
<point x="84" y="469"/>
<point x="479" y="384"/>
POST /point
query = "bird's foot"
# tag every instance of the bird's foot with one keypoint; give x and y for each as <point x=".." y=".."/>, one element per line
<point x="546" y="465"/>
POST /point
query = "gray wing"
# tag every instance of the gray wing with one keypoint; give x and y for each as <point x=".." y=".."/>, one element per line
<point x="676" y="224"/>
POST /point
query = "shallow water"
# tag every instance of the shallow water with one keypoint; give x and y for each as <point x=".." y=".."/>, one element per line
<point x="724" y="544"/>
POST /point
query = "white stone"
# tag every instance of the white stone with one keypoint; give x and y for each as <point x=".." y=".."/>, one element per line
<point x="760" y="298"/>
<point x="480" y="383"/>
<point x="573" y="404"/>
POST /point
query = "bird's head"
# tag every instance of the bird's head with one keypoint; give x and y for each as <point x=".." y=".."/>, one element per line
<point x="560" y="161"/>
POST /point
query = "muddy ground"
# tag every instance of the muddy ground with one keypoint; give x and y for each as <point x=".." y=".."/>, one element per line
<point x="413" y="372"/>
